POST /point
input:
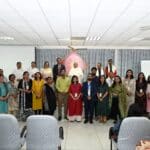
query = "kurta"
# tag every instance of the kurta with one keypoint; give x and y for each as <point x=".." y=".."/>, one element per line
<point x="103" y="106"/>
<point x="130" y="87"/>
<point x="75" y="106"/>
<point x="49" y="99"/>
<point x="78" y="72"/>
<point x="120" y="90"/>
<point x="37" y="89"/>
<point x="25" y="99"/>
<point x="3" y="92"/>
<point x="141" y="88"/>
<point x="13" y="103"/>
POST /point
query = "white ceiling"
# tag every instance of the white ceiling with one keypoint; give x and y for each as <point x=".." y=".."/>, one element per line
<point x="54" y="22"/>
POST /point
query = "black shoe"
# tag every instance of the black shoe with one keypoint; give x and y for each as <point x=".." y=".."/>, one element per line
<point x="115" y="121"/>
<point x="59" y="118"/>
<point x="66" y="118"/>
<point x="91" y="121"/>
<point x="85" y="121"/>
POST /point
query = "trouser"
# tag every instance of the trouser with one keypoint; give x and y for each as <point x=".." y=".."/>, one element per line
<point x="115" y="111"/>
<point x="95" y="108"/>
<point x="62" y="100"/>
<point x="89" y="109"/>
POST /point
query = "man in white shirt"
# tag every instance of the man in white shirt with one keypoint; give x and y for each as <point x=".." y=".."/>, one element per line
<point x="100" y="70"/>
<point x="33" y="69"/>
<point x="76" y="70"/>
<point x="18" y="72"/>
<point x="110" y="79"/>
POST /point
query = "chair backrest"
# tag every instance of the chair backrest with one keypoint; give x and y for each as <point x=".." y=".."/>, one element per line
<point x="9" y="133"/>
<point x="132" y="130"/>
<point x="42" y="133"/>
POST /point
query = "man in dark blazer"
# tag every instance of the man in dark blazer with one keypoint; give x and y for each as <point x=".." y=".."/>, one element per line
<point x="89" y="91"/>
<point x="57" y="68"/>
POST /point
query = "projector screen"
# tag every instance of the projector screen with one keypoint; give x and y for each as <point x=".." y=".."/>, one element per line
<point x="11" y="54"/>
<point x="145" y="67"/>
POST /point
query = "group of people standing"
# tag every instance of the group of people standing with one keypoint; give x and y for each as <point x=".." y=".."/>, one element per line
<point x="103" y="95"/>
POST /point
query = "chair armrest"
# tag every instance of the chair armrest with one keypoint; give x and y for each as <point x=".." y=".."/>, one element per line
<point x="61" y="133"/>
<point x="23" y="132"/>
<point x="23" y="135"/>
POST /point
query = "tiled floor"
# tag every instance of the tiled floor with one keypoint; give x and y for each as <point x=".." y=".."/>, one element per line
<point x="80" y="136"/>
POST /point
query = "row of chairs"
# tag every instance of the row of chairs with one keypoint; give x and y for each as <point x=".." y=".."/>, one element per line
<point x="40" y="133"/>
<point x="132" y="130"/>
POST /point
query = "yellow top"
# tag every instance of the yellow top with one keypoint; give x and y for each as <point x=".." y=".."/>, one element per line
<point x="62" y="84"/>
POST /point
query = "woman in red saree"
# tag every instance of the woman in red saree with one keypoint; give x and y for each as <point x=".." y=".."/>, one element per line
<point x="74" y="100"/>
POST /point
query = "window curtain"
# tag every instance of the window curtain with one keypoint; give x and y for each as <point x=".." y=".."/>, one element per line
<point x="131" y="59"/>
<point x="123" y="58"/>
<point x="90" y="56"/>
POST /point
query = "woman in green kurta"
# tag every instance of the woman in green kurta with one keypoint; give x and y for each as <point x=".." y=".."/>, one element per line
<point x="103" y="100"/>
<point x="118" y="102"/>
<point x="3" y="95"/>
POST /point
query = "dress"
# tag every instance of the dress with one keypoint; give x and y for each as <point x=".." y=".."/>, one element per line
<point x="3" y="92"/>
<point x="141" y="100"/>
<point x="75" y="106"/>
<point x="37" y="88"/>
<point x="49" y="100"/>
<point x="25" y="99"/>
<point x="130" y="86"/>
<point x="13" y="104"/>
<point x="118" y="101"/>
<point x="103" y="106"/>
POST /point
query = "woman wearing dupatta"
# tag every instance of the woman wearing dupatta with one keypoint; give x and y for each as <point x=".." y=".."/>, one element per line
<point x="74" y="100"/>
<point x="129" y="83"/>
<point x="37" y="93"/>
<point x="140" y="93"/>
<point x="25" y="96"/>
<point x="4" y="94"/>
<point x="13" y="103"/>
<point x="103" y="100"/>
<point x="49" y="97"/>
<point x="118" y="100"/>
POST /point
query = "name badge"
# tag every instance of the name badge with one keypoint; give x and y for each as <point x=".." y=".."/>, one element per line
<point x="128" y="88"/>
<point x="76" y="94"/>
<point x="141" y="90"/>
<point x="100" y="94"/>
<point x="27" y="87"/>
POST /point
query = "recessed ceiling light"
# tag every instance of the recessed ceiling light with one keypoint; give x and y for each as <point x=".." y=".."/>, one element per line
<point x="64" y="39"/>
<point x="6" y="38"/>
<point x="93" y="38"/>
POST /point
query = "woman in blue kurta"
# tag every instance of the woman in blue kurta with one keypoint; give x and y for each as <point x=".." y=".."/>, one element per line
<point x="3" y="95"/>
<point x="103" y="100"/>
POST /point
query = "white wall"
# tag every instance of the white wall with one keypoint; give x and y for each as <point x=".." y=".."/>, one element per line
<point x="9" y="55"/>
<point x="145" y="67"/>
